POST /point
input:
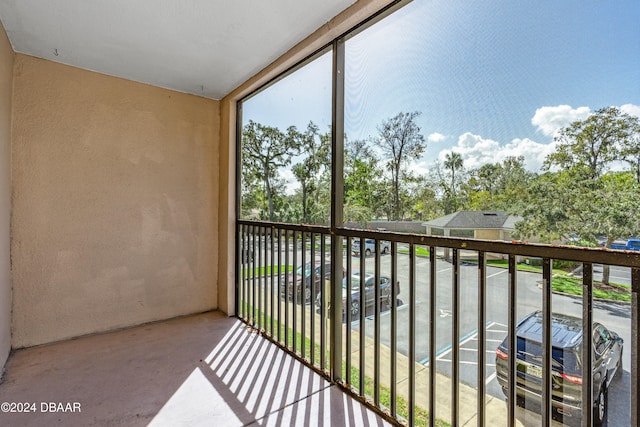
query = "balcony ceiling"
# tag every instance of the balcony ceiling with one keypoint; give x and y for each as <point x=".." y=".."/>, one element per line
<point x="202" y="47"/>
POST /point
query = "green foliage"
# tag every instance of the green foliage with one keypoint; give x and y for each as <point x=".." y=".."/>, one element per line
<point x="400" y="140"/>
<point x="310" y="171"/>
<point x="578" y="195"/>
<point x="265" y="150"/>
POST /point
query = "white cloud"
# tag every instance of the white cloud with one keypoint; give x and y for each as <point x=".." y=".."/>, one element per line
<point x="477" y="151"/>
<point x="436" y="137"/>
<point x="632" y="110"/>
<point x="549" y="120"/>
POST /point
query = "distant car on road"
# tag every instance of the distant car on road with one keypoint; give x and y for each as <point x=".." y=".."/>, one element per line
<point x="369" y="247"/>
<point x="629" y="245"/>
<point x="566" y="354"/>
<point x="354" y="302"/>
<point x="303" y="274"/>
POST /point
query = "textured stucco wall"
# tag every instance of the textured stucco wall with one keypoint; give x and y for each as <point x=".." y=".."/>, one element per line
<point x="6" y="81"/>
<point x="115" y="202"/>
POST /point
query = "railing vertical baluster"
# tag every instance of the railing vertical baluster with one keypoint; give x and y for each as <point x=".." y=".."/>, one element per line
<point x="432" y="335"/>
<point x="287" y="288"/>
<point x="347" y="311"/>
<point x="512" y="347"/>
<point x="296" y="300"/>
<point x="587" y="333"/>
<point x="314" y="292"/>
<point x="376" y="324"/>
<point x="455" y="341"/>
<point x="546" y="341"/>
<point x="323" y="312"/>
<point x="260" y="279"/>
<point x="361" y="317"/>
<point x="635" y="357"/>
<point x="482" y="344"/>
<point x="335" y="297"/>
<point x="240" y="272"/>
<point x="394" y="320"/>
<point x="272" y="292"/>
<point x="303" y="299"/>
<point x="254" y="313"/>
<point x="280" y="272"/>
<point x="412" y="333"/>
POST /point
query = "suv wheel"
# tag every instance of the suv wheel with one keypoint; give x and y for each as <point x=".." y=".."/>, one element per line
<point x="385" y="250"/>
<point x="600" y="407"/>
<point x="367" y="252"/>
<point x="355" y="308"/>
<point x="307" y="294"/>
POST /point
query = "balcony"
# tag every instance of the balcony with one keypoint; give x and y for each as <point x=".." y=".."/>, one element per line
<point x="120" y="218"/>
<point x="452" y="311"/>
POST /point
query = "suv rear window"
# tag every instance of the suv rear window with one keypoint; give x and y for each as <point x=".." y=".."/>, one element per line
<point x="564" y="359"/>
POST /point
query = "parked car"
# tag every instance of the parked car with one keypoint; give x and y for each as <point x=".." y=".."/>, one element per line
<point x="369" y="247"/>
<point x="353" y="302"/>
<point x="306" y="293"/>
<point x="628" y="245"/>
<point x="566" y="353"/>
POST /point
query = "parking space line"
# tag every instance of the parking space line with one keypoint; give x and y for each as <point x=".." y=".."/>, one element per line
<point x="499" y="272"/>
<point x="490" y="377"/>
<point x="463" y="340"/>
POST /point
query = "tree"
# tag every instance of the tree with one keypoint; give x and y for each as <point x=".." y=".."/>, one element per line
<point x="453" y="162"/>
<point x="265" y="149"/>
<point x="588" y="146"/>
<point x="630" y="145"/>
<point x="400" y="140"/>
<point x="424" y="204"/>
<point x="582" y="196"/>
<point x="317" y="150"/>
<point x="499" y="186"/>
<point x="361" y="182"/>
<point x="448" y="176"/>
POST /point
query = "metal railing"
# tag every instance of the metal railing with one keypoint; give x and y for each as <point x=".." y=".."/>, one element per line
<point x="379" y="353"/>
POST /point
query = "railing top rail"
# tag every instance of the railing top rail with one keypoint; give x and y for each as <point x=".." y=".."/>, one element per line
<point x="537" y="250"/>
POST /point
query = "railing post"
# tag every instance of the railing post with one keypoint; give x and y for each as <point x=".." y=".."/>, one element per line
<point x="512" y="342"/>
<point x="587" y="331"/>
<point x="635" y="357"/>
<point x="337" y="205"/>
<point x="547" y="268"/>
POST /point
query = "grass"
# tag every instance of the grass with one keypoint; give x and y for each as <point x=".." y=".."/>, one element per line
<point x="523" y="267"/>
<point x="562" y="282"/>
<point x="421" y="416"/>
<point x="573" y="286"/>
<point x="419" y="250"/>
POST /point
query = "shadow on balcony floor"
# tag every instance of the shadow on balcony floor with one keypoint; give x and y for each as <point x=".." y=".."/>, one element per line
<point x="207" y="369"/>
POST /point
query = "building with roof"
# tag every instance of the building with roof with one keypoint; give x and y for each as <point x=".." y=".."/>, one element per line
<point x="489" y="225"/>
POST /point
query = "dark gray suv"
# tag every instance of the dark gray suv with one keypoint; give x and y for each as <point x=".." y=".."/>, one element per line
<point x="566" y="354"/>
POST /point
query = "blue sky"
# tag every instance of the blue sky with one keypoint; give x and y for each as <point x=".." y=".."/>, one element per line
<point x="491" y="78"/>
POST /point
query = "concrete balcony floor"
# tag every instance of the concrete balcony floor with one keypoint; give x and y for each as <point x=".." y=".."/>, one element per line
<point x="201" y="370"/>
